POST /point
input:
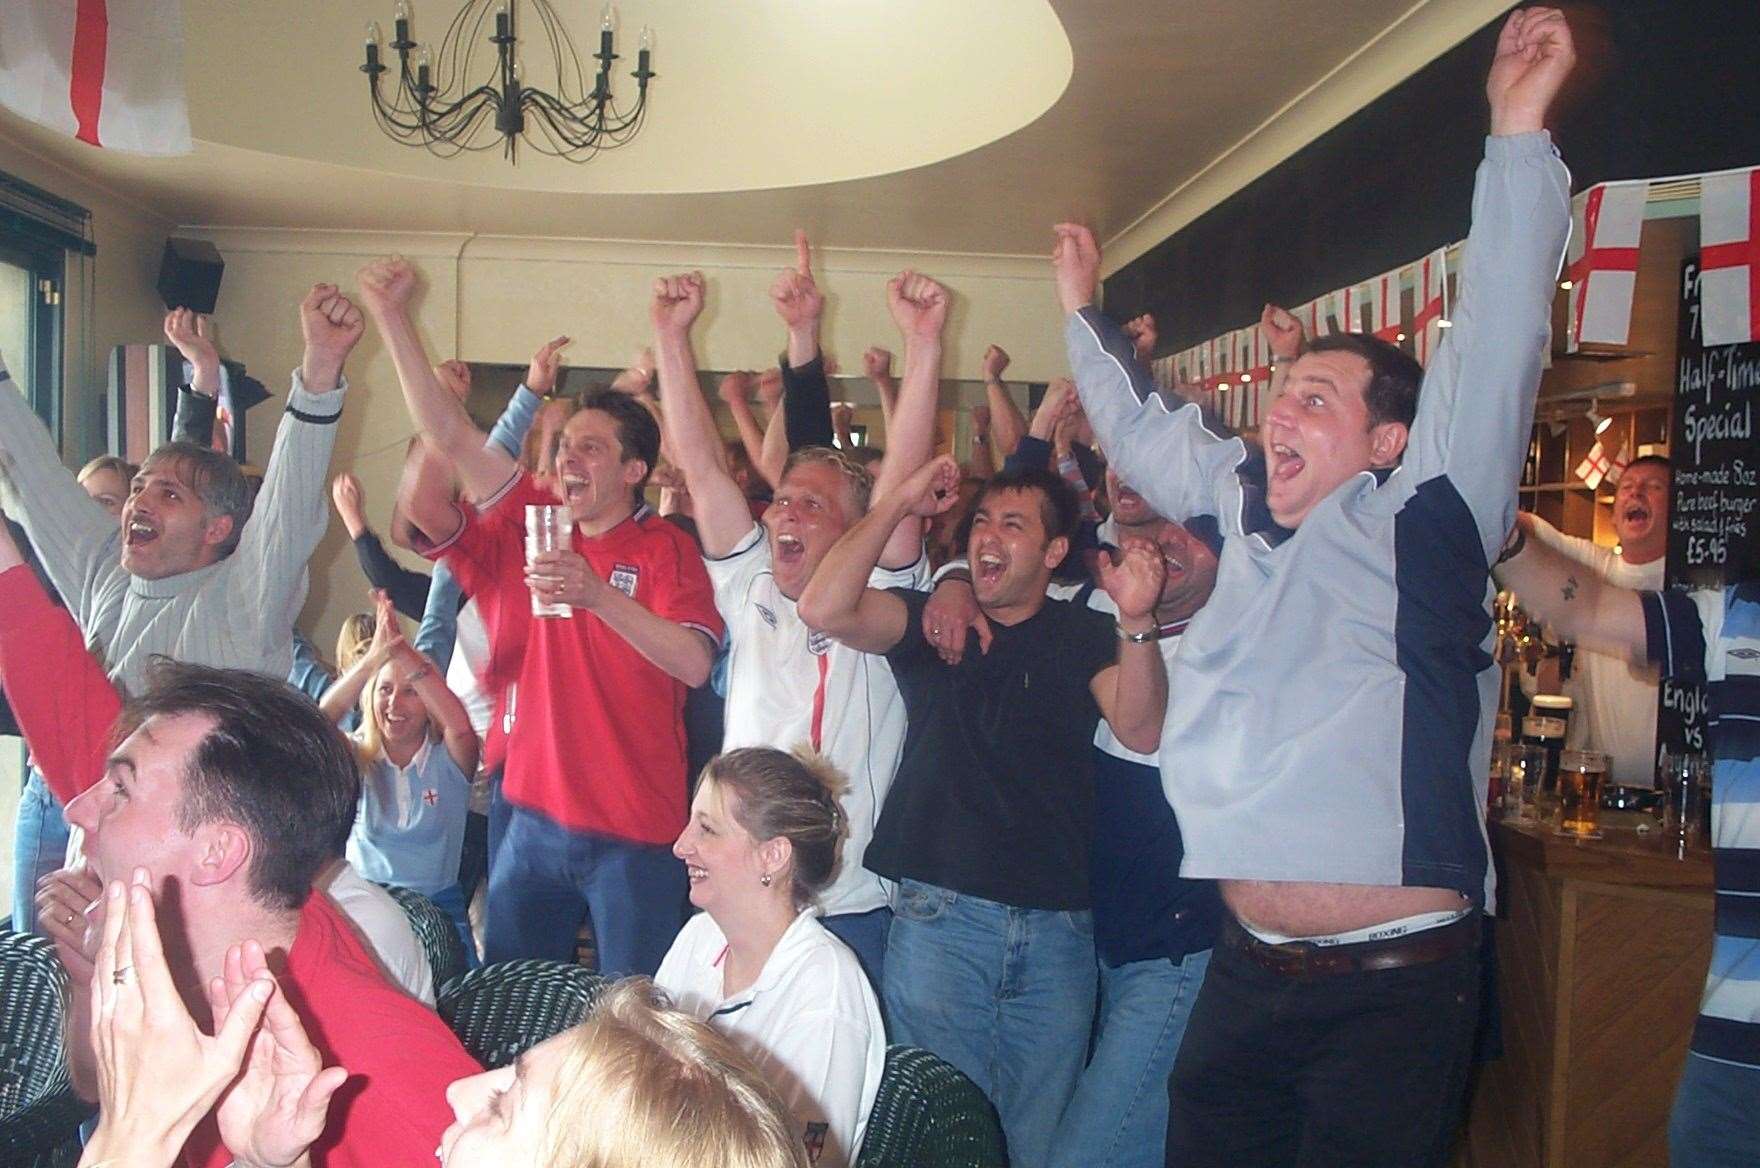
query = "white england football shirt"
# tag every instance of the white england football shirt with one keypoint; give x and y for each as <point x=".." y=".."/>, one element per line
<point x="788" y="685"/>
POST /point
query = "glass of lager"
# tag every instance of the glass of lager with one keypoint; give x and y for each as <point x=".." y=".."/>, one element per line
<point x="1581" y="776"/>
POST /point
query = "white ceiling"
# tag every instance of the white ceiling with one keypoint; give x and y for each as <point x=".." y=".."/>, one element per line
<point x="979" y="122"/>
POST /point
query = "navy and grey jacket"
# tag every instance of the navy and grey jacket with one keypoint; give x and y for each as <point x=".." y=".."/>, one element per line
<point x="1330" y="709"/>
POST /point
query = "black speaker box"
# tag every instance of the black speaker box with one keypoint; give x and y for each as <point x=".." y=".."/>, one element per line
<point x="189" y="274"/>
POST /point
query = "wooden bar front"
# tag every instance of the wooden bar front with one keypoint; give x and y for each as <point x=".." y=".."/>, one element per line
<point x="1602" y="947"/>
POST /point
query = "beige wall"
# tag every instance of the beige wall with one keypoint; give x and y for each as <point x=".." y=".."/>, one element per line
<point x="494" y="299"/>
<point x="124" y="305"/>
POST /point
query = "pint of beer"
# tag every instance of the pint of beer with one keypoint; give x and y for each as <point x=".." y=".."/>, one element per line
<point x="1581" y="776"/>
<point x="549" y="528"/>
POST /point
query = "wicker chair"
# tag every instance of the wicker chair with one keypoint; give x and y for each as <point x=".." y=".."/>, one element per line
<point x="502" y="1010"/>
<point x="929" y="1115"/>
<point x="435" y="930"/>
<point x="39" y="1113"/>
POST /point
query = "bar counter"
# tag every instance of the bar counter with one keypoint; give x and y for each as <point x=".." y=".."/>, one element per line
<point x="1602" y="947"/>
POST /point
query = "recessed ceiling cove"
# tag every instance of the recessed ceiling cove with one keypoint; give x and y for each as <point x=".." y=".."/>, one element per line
<point x="750" y="94"/>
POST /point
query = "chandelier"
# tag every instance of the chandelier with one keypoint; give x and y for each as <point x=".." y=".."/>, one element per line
<point x="435" y="104"/>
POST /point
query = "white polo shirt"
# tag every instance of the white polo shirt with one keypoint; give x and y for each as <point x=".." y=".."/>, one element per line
<point x="788" y="685"/>
<point x="810" y="1022"/>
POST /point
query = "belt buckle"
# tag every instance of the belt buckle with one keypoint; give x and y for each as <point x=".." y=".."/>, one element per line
<point x="1291" y="958"/>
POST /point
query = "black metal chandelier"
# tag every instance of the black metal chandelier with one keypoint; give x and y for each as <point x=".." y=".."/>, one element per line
<point x="434" y="104"/>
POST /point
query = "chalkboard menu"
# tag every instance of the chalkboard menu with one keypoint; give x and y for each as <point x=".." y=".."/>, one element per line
<point x="1714" y="519"/>
<point x="1714" y="513"/>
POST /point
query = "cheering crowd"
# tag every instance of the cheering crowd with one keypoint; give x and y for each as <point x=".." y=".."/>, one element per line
<point x="1135" y="771"/>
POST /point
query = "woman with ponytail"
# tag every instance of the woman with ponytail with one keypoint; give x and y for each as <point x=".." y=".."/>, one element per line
<point x="756" y="964"/>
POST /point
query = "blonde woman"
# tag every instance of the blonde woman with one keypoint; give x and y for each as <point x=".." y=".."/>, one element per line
<point x="418" y="753"/>
<point x="757" y="964"/>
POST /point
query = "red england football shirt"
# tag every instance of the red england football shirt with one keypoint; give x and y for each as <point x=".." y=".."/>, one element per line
<point x="595" y="730"/>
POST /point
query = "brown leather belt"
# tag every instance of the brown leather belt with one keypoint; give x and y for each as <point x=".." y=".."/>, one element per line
<point x="1305" y="959"/>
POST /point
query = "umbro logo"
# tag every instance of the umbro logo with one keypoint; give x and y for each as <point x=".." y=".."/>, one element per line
<point x="769" y="617"/>
<point x="1745" y="654"/>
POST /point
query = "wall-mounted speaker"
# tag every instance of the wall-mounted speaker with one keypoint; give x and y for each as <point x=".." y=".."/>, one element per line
<point x="189" y="274"/>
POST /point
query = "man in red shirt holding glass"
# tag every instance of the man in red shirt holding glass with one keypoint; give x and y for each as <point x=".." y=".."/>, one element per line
<point x="595" y="778"/>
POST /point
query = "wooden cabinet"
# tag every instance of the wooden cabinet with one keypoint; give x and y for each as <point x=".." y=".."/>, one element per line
<point x="1602" y="948"/>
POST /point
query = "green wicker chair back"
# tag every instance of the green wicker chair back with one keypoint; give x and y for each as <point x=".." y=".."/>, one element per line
<point x="929" y="1115"/>
<point x="502" y="1010"/>
<point x="39" y="1113"/>
<point x="435" y="930"/>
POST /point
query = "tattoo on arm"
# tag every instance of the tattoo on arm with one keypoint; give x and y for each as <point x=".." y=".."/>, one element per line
<point x="1569" y="591"/>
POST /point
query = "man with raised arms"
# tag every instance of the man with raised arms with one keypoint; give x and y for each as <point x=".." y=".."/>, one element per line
<point x="1327" y="741"/>
<point x="789" y="684"/>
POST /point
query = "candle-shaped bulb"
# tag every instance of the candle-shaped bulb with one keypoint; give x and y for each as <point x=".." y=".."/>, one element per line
<point x="518" y="73"/>
<point x="372" y="32"/>
<point x="647" y="39"/>
<point x="423" y="59"/>
<point x="608" y="18"/>
<point x="401" y="12"/>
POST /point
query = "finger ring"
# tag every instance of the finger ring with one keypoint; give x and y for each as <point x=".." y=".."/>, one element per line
<point x="121" y="975"/>
<point x="69" y="919"/>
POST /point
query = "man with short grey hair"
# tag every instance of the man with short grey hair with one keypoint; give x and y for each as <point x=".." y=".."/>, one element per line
<point x="191" y="573"/>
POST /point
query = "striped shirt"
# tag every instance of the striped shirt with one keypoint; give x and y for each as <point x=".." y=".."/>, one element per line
<point x="1712" y="636"/>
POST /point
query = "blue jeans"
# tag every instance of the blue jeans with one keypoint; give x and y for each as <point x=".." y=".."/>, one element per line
<point x="451" y="901"/>
<point x="1118" y="1116"/>
<point x="39" y="847"/>
<point x="1005" y="994"/>
<point x="545" y="879"/>
<point x="1716" y="1118"/>
<point x="865" y="933"/>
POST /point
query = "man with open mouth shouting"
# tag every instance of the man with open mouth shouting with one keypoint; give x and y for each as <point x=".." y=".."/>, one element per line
<point x="593" y="793"/>
<point x="1323" y="748"/>
<point x="193" y="572"/>
<point x="789" y="684"/>
<point x="1615" y="697"/>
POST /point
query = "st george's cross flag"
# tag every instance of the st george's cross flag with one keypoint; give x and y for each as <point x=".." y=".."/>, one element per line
<point x="1603" y="262"/>
<point x="1729" y="258"/>
<point x="108" y="72"/>
<point x="1430" y="297"/>
<point x="1598" y="466"/>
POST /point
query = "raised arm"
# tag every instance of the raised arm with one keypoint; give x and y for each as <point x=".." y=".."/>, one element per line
<point x="345" y="692"/>
<point x="1007" y="424"/>
<point x="408" y="589"/>
<point x="1574" y="600"/>
<point x="736" y="391"/>
<point x="387" y="286"/>
<point x="1168" y="455"/>
<point x="1286" y="337"/>
<point x="837" y="599"/>
<point x="194" y="420"/>
<point x="267" y="580"/>
<point x="445" y="711"/>
<point x="919" y="308"/>
<point x="76" y="540"/>
<point x="1477" y="402"/>
<point x="877" y="364"/>
<point x="1133" y="693"/>
<point x="806" y="398"/>
<point x="718" y="505"/>
<point x="426" y="509"/>
<point x="776" y="448"/>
